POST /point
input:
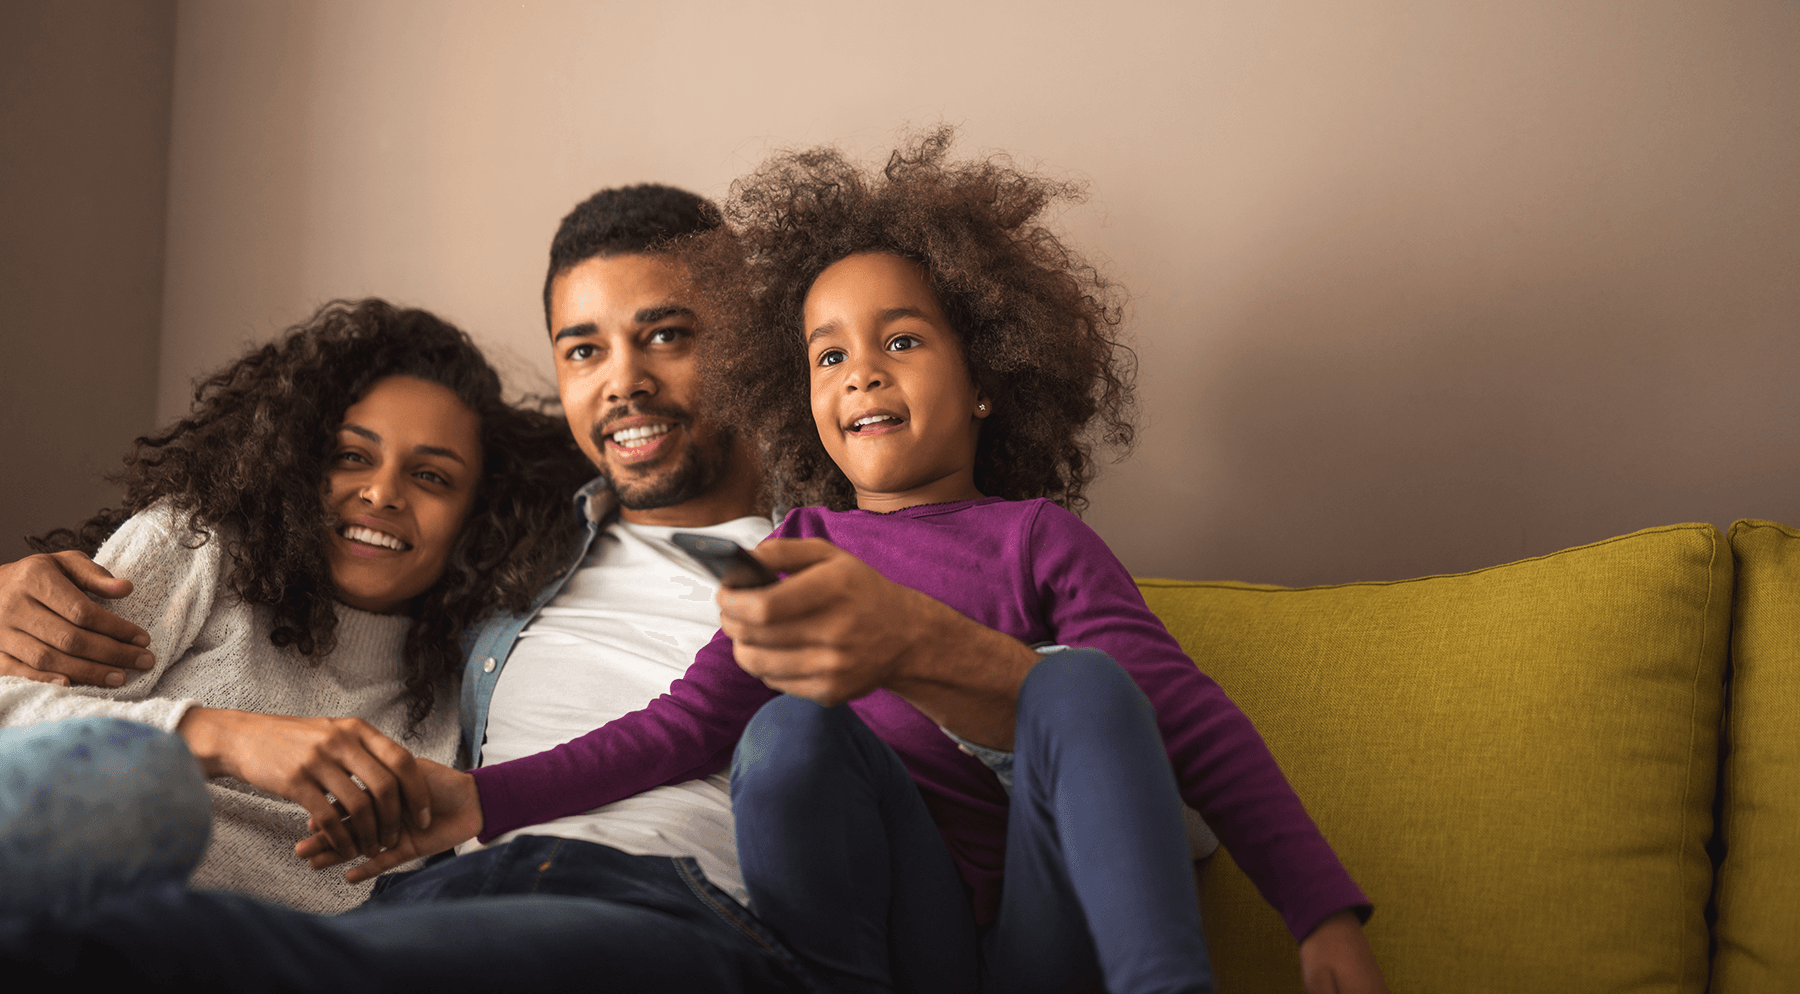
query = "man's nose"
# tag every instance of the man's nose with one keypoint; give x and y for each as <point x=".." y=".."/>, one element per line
<point x="628" y="377"/>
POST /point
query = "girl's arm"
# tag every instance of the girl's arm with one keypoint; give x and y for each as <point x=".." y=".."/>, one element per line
<point x="1223" y="767"/>
<point x="684" y="734"/>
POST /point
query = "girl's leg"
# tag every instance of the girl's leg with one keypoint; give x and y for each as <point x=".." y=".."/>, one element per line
<point x="95" y="806"/>
<point x="1099" y="879"/>
<point x="841" y="858"/>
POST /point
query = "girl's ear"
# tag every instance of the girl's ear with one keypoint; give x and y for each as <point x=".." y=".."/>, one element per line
<point x="982" y="407"/>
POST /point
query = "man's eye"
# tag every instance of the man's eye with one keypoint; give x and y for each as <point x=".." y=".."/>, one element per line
<point x="830" y="357"/>
<point x="903" y="342"/>
<point x="582" y="351"/>
<point x="666" y="336"/>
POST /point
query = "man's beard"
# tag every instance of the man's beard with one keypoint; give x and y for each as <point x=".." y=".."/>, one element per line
<point x="702" y="466"/>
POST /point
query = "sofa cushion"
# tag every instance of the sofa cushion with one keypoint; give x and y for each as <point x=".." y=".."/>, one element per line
<point x="1759" y="882"/>
<point x="1517" y="764"/>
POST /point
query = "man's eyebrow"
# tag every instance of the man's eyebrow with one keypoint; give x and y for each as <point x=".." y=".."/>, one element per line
<point x="581" y="330"/>
<point x="651" y="315"/>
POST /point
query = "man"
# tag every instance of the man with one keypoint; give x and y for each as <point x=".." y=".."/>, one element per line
<point x="644" y="872"/>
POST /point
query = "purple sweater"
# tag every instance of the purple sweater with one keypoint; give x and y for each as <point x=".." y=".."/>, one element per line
<point x="1026" y="568"/>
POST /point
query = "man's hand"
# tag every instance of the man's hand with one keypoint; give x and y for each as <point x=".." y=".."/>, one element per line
<point x="1336" y="959"/>
<point x="835" y="629"/>
<point x="303" y="759"/>
<point x="51" y="632"/>
<point x="456" y="818"/>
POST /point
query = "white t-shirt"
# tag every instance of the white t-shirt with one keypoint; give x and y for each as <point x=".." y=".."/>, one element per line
<point x="624" y="628"/>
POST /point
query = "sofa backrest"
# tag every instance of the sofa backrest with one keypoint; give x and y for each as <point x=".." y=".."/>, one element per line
<point x="1517" y="764"/>
<point x="1759" y="881"/>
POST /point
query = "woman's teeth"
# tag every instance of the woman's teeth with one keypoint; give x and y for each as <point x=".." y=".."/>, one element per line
<point x="631" y="438"/>
<point x="369" y="536"/>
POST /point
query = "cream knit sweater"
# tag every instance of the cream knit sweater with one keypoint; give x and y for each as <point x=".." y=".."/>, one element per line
<point x="213" y="650"/>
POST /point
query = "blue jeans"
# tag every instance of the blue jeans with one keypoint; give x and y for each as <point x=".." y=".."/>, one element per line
<point x="539" y="913"/>
<point x="641" y="926"/>
<point x="96" y="806"/>
<point x="842" y="859"/>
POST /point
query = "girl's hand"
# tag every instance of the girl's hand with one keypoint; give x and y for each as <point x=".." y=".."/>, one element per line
<point x="303" y="759"/>
<point x="1336" y="959"/>
<point x="456" y="807"/>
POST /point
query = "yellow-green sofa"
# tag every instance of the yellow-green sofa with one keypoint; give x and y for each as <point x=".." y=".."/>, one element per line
<point x="1522" y="765"/>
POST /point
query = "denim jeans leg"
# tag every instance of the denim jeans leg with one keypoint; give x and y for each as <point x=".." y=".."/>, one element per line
<point x="841" y="857"/>
<point x="1099" y="880"/>
<point x="95" y="806"/>
<point x="641" y="928"/>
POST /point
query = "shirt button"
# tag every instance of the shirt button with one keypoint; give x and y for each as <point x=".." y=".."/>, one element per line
<point x="488" y="667"/>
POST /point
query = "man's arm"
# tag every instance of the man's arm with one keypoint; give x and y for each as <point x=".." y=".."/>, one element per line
<point x="835" y="630"/>
<point x="50" y="631"/>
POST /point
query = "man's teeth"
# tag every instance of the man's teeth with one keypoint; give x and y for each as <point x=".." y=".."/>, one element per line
<point x="631" y="438"/>
<point x="369" y="536"/>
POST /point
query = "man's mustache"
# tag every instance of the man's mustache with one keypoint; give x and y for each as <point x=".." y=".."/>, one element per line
<point x="672" y="412"/>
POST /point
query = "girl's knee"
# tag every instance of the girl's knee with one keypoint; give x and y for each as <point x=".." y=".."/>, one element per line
<point x="1077" y="688"/>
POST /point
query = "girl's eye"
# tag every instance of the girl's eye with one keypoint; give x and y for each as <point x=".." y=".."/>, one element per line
<point x="831" y="357"/>
<point x="903" y="342"/>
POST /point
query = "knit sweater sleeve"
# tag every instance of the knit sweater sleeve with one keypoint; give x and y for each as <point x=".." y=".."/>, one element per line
<point x="1223" y="767"/>
<point x="686" y="733"/>
<point x="174" y="583"/>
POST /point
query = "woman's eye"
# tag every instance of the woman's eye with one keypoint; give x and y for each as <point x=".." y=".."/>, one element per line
<point x="831" y="357"/>
<point x="431" y="477"/>
<point x="348" y="456"/>
<point x="903" y="342"/>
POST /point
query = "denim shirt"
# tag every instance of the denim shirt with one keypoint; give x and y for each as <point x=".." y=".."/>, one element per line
<point x="494" y="638"/>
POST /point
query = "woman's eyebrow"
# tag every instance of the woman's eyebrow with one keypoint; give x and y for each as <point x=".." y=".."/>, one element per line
<point x="437" y="450"/>
<point x="360" y="430"/>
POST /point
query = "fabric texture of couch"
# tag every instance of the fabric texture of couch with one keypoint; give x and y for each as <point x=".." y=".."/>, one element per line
<point x="1520" y="764"/>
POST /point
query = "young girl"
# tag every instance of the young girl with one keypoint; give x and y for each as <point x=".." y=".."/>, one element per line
<point x="924" y="365"/>
<point x="313" y="539"/>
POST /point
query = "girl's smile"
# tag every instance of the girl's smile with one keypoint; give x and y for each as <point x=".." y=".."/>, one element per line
<point x="891" y="398"/>
<point x="401" y="480"/>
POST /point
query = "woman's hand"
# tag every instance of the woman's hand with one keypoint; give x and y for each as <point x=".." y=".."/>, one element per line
<point x="456" y="804"/>
<point x="304" y="759"/>
<point x="1336" y="959"/>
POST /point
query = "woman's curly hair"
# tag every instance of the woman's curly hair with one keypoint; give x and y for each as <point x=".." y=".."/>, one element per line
<point x="1039" y="327"/>
<point x="249" y="460"/>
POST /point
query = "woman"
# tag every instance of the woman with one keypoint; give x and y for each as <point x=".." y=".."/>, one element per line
<point x="313" y="539"/>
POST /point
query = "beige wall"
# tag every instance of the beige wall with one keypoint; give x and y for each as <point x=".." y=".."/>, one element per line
<point x="1418" y="287"/>
<point x="84" y="142"/>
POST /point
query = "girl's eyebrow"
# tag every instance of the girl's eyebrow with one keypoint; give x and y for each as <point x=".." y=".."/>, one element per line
<point x="883" y="317"/>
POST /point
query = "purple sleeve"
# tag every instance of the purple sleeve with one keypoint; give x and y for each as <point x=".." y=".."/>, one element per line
<point x="686" y="733"/>
<point x="1224" y="769"/>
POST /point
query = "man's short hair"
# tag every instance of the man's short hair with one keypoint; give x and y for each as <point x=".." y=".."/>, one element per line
<point x="623" y="220"/>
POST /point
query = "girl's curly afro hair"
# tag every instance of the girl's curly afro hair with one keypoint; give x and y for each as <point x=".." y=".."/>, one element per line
<point x="249" y="461"/>
<point x="1039" y="326"/>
